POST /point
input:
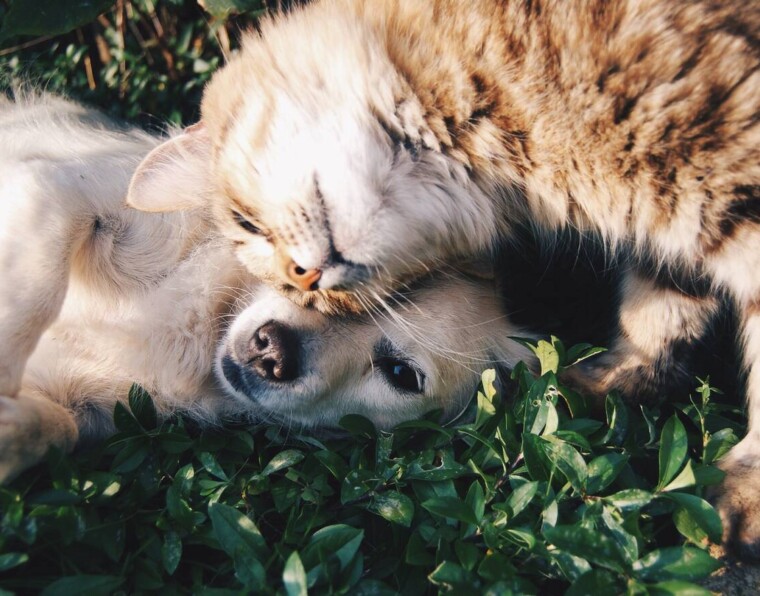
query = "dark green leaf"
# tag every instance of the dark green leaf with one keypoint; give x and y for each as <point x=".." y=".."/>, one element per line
<point x="11" y="560"/>
<point x="568" y="461"/>
<point x="603" y="470"/>
<point x="394" y="507"/>
<point x="451" y="507"/>
<point x="294" y="576"/>
<point x="596" y="581"/>
<point x="76" y="585"/>
<point x="588" y="544"/>
<point x="171" y="551"/>
<point x="142" y="407"/>
<point x="49" y="17"/>
<point x="673" y="448"/>
<point x="222" y="9"/>
<point x="695" y="518"/>
<point x="282" y="460"/>
<point x="675" y="563"/>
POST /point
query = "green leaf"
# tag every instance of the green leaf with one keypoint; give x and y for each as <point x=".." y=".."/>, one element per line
<point x="677" y="588"/>
<point x="11" y="560"/>
<point x="212" y="466"/>
<point x="451" y="575"/>
<point x="686" y="477"/>
<point x="568" y="461"/>
<point x="451" y="507"/>
<point x="171" y="551"/>
<point x="521" y="497"/>
<point x="282" y="460"/>
<point x="49" y="17"/>
<point x="394" y="507"/>
<point x="294" y="576"/>
<point x="333" y="462"/>
<point x="580" y="352"/>
<point x="596" y="581"/>
<point x="222" y="9"/>
<point x="76" y="585"/>
<point x="588" y="544"/>
<point x="359" y="426"/>
<point x="695" y="518"/>
<point x="675" y="563"/>
<point x="340" y="541"/>
<point x="142" y="407"/>
<point x="241" y="539"/>
<point x="486" y="408"/>
<point x="535" y="457"/>
<point x="718" y="444"/>
<point x="125" y="421"/>
<point x="617" y="420"/>
<point x="673" y="450"/>
<point x="603" y="470"/>
<point x="547" y="355"/>
<point x="630" y="499"/>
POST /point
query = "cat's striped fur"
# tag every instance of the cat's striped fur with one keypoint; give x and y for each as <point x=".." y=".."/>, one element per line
<point x="369" y="140"/>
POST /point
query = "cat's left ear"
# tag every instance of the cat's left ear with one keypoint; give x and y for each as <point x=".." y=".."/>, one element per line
<point x="174" y="176"/>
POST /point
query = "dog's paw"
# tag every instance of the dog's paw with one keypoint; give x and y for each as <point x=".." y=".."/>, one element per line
<point x="737" y="501"/>
<point x="28" y="428"/>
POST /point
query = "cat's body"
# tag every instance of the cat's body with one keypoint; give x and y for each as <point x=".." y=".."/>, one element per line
<point x="356" y="143"/>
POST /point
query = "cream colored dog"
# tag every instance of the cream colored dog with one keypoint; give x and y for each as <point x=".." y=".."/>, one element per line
<point x="95" y="296"/>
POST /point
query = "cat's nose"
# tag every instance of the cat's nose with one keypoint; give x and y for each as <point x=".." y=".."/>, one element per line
<point x="306" y="280"/>
<point x="272" y="352"/>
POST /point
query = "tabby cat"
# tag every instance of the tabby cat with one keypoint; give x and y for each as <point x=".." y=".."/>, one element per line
<point x="354" y="144"/>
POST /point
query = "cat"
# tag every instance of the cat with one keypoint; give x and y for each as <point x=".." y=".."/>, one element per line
<point x="353" y="145"/>
<point x="95" y="297"/>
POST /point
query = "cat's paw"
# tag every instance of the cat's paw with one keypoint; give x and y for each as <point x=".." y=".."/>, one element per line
<point x="636" y="380"/>
<point x="28" y="428"/>
<point x="737" y="500"/>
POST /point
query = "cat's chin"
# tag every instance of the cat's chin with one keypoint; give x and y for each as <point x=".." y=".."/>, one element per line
<point x="329" y="302"/>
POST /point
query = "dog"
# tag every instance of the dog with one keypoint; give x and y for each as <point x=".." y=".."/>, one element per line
<point x="96" y="296"/>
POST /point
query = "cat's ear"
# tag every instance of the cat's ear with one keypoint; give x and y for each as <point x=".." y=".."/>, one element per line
<point x="174" y="176"/>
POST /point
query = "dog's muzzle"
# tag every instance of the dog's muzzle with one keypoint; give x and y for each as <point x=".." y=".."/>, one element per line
<point x="271" y="355"/>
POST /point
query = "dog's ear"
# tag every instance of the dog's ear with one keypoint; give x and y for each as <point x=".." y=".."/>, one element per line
<point x="174" y="176"/>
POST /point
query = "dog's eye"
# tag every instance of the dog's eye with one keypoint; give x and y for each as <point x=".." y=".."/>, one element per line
<point x="245" y="224"/>
<point x="401" y="375"/>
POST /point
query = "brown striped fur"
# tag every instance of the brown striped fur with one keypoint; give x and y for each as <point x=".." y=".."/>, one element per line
<point x="421" y="130"/>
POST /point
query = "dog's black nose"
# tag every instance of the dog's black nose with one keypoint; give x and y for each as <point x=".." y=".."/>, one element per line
<point x="273" y="352"/>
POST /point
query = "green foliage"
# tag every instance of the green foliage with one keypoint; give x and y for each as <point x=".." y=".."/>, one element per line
<point x="144" y="60"/>
<point x="532" y="495"/>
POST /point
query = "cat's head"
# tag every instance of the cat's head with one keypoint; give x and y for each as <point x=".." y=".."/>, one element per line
<point x="317" y="161"/>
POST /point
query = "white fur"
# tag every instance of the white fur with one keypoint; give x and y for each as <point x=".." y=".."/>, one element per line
<point x="96" y="296"/>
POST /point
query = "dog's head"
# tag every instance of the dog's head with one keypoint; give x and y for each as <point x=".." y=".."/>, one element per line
<point x="298" y="367"/>
<point x="320" y="164"/>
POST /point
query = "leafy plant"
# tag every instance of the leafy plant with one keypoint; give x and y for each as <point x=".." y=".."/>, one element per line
<point x="144" y="60"/>
<point x="532" y="495"/>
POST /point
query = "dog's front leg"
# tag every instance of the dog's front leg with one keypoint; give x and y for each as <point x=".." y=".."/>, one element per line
<point x="29" y="425"/>
<point x="39" y="227"/>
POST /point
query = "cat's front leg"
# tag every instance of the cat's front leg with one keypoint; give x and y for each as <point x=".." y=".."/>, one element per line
<point x="657" y="324"/>
<point x="737" y="499"/>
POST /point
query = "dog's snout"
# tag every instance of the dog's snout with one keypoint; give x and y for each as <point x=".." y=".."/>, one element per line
<point x="272" y="352"/>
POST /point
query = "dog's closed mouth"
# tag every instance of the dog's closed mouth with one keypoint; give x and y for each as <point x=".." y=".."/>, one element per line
<point x="233" y="374"/>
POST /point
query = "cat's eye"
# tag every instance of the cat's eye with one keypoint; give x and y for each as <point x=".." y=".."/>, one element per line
<point x="245" y="224"/>
<point x="401" y="375"/>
